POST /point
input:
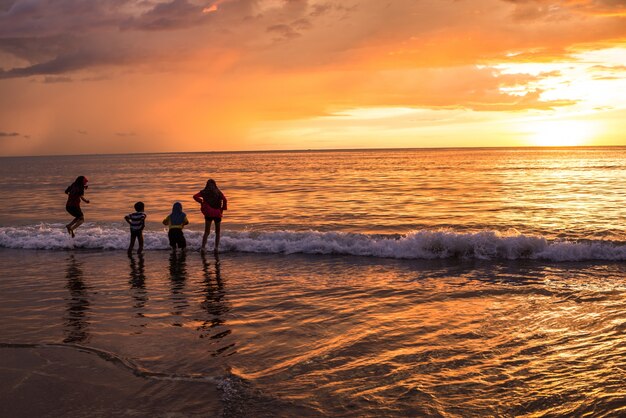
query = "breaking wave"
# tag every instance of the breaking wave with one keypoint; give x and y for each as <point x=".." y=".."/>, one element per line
<point x="424" y="244"/>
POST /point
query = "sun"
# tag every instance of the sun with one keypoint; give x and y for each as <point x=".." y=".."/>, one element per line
<point x="561" y="133"/>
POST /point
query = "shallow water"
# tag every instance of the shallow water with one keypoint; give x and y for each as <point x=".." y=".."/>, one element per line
<point x="316" y="335"/>
<point x="556" y="193"/>
<point x="447" y="283"/>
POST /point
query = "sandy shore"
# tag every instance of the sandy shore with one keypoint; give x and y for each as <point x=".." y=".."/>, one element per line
<point x="59" y="381"/>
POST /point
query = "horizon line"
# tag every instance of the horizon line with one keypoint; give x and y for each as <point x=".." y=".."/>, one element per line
<point x="304" y="150"/>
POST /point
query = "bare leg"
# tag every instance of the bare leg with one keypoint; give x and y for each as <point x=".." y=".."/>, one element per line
<point x="207" y="232"/>
<point x="140" y="239"/>
<point x="217" y="236"/>
<point x="77" y="223"/>
<point x="69" y="227"/>
<point x="132" y="244"/>
<point x="74" y="224"/>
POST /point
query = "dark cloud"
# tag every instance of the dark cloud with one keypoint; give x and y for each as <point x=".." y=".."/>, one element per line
<point x="177" y="14"/>
<point x="5" y="5"/>
<point x="52" y="17"/>
<point x="302" y="24"/>
<point x="320" y="9"/>
<point x="60" y="37"/>
<point x="62" y="64"/>
<point x="38" y="49"/>
<point x="283" y="32"/>
<point x="58" y="79"/>
<point x="8" y="134"/>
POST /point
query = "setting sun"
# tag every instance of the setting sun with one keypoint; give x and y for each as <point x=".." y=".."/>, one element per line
<point x="553" y="133"/>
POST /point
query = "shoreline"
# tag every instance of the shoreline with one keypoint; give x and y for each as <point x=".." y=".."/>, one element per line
<point x="64" y="381"/>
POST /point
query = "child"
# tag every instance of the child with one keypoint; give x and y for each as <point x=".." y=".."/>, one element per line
<point x="137" y="222"/>
<point x="75" y="193"/>
<point x="176" y="221"/>
<point x="213" y="204"/>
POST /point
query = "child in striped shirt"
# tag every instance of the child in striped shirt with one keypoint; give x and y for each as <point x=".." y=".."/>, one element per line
<point x="137" y="222"/>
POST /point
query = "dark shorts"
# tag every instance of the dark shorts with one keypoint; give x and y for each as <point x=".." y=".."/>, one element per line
<point x="136" y="233"/>
<point x="215" y="219"/>
<point x="177" y="238"/>
<point x="74" y="211"/>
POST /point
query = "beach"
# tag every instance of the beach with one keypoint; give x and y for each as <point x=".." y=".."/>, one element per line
<point x="311" y="208"/>
<point x="328" y="298"/>
<point x="295" y="335"/>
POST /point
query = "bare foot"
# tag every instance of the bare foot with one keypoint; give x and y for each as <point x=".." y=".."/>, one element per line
<point x="70" y="231"/>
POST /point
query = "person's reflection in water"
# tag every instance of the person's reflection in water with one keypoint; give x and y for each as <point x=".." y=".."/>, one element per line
<point x="214" y="304"/>
<point x="76" y="319"/>
<point x="137" y="283"/>
<point x="178" y="276"/>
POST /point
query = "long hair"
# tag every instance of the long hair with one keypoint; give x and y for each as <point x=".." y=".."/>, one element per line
<point x="78" y="187"/>
<point x="177" y="216"/>
<point x="212" y="194"/>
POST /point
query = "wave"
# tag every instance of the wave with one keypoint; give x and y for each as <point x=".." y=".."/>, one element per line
<point x="423" y="244"/>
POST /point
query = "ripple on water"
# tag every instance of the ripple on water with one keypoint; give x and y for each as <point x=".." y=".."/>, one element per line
<point x="320" y="335"/>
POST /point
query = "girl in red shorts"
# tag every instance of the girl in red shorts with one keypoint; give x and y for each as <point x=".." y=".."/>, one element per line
<point x="213" y="204"/>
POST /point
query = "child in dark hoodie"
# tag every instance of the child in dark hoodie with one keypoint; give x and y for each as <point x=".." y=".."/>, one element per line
<point x="176" y="221"/>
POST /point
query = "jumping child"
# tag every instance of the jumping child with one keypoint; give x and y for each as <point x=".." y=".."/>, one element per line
<point x="137" y="222"/>
<point x="75" y="193"/>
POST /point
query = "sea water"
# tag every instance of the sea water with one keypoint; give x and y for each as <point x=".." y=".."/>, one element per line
<point x="456" y="282"/>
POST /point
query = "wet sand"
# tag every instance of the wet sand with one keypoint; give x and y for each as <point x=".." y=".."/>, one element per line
<point x="65" y="381"/>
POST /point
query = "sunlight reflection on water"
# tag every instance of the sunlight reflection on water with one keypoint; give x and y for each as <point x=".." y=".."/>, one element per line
<point x="341" y="335"/>
<point x="575" y="193"/>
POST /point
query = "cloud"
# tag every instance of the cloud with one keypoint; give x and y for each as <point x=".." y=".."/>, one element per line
<point x="63" y="64"/>
<point x="163" y="64"/>
<point x="549" y="9"/>
<point x="608" y="72"/>
<point x="612" y="68"/>
<point x="8" y="134"/>
<point x="177" y="14"/>
<point x="53" y="79"/>
<point x="283" y="32"/>
<point x="59" y="37"/>
<point x="5" y="5"/>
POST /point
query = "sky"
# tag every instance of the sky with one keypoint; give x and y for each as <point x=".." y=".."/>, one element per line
<point x="117" y="76"/>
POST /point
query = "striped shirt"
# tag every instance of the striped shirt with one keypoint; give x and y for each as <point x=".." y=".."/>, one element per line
<point x="136" y="220"/>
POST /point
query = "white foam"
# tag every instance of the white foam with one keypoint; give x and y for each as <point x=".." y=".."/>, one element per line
<point x="424" y="244"/>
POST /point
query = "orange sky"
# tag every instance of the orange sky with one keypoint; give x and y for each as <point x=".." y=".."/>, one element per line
<point x="185" y="75"/>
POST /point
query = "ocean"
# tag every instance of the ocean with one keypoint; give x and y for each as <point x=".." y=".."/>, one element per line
<point x="413" y="282"/>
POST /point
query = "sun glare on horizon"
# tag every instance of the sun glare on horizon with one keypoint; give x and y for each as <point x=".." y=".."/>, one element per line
<point x="561" y="133"/>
